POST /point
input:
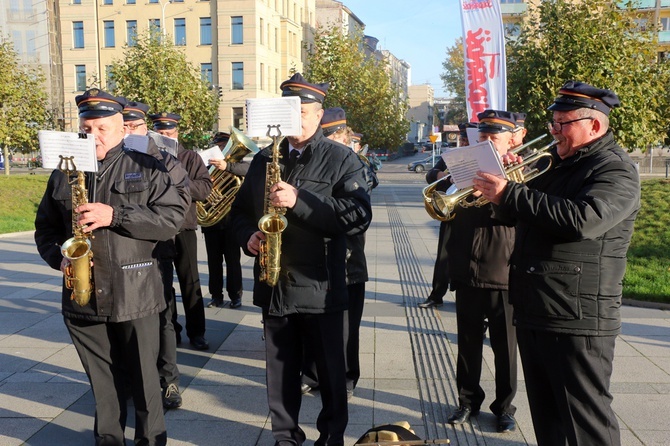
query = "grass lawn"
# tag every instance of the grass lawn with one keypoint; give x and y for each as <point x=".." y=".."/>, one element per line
<point x="647" y="277"/>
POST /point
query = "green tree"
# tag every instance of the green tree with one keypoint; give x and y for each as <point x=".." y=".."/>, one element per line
<point x="360" y="85"/>
<point x="22" y="103"/>
<point x="158" y="74"/>
<point x="453" y="77"/>
<point x="593" y="42"/>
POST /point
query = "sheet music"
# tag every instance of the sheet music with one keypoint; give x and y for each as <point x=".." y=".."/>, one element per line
<point x="463" y="163"/>
<point x="55" y="144"/>
<point x="138" y="143"/>
<point x="262" y="112"/>
<point x="213" y="153"/>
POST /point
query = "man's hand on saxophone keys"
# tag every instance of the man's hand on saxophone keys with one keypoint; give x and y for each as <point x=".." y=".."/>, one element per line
<point x="254" y="243"/>
<point x="283" y="195"/>
<point x="94" y="215"/>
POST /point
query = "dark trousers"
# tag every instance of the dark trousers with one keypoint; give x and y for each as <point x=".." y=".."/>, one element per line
<point x="321" y="335"/>
<point x="440" y="273"/>
<point x="221" y="245"/>
<point x="186" y="266"/>
<point x="112" y="353"/>
<point x="473" y="305"/>
<point x="567" y="380"/>
<point x="352" y="325"/>
<point x="167" y="354"/>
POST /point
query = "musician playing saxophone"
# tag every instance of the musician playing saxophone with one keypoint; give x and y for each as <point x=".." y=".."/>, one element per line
<point x="116" y="334"/>
<point x="324" y="192"/>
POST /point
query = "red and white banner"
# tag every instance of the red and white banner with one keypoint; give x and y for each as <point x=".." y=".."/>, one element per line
<point x="484" y="51"/>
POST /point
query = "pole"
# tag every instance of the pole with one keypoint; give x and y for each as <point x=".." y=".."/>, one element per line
<point x="163" y="24"/>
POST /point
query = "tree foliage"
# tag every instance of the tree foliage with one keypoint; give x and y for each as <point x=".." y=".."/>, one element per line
<point x="454" y="81"/>
<point x="593" y="42"/>
<point x="23" y="99"/>
<point x="360" y="85"/>
<point x="158" y="74"/>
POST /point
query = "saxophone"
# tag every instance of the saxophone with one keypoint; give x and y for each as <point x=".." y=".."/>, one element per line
<point x="273" y="222"/>
<point x="78" y="274"/>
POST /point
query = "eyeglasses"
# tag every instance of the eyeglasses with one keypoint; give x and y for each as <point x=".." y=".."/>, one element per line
<point x="558" y="126"/>
<point x="134" y="126"/>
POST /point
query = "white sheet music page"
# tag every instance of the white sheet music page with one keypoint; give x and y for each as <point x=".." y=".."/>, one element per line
<point x="213" y="153"/>
<point x="463" y="163"/>
<point x="264" y="112"/>
<point x="54" y="145"/>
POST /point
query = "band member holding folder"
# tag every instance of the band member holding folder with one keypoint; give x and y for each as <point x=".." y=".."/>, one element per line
<point x="478" y="251"/>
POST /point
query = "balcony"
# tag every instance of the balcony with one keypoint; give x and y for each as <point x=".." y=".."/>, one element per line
<point x="516" y="8"/>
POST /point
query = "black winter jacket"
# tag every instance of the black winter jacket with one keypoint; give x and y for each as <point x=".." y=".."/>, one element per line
<point x="147" y="208"/>
<point x="574" y="226"/>
<point x="332" y="203"/>
<point x="200" y="184"/>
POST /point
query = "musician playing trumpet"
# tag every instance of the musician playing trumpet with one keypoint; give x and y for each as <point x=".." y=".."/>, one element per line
<point x="573" y="228"/>
<point x="478" y="250"/>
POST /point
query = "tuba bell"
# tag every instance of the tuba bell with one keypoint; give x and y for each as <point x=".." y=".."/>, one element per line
<point x="224" y="184"/>
<point x="442" y="205"/>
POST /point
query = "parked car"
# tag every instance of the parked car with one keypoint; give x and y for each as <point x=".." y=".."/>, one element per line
<point x="421" y="165"/>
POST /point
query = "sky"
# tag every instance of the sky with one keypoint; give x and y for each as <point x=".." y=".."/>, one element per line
<point x="417" y="31"/>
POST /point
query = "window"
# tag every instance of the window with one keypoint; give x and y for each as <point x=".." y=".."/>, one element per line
<point x="78" y="34"/>
<point x="262" y="70"/>
<point x="76" y="2"/>
<point x="111" y="85"/>
<point x="130" y="2"/>
<point x="131" y="32"/>
<point x="108" y="2"/>
<point x="276" y="39"/>
<point x="155" y="24"/>
<point x="109" y="33"/>
<point x="262" y="32"/>
<point x="206" y="72"/>
<point x="205" y="30"/>
<point x="236" y="24"/>
<point x="153" y="1"/>
<point x="238" y="75"/>
<point x="30" y="43"/>
<point x="80" y="77"/>
<point x="180" y="32"/>
<point x="665" y="23"/>
<point x="238" y="117"/>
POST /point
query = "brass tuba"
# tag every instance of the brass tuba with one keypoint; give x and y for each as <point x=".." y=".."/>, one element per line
<point x="273" y="222"/>
<point x="78" y="274"/>
<point x="225" y="185"/>
<point x="441" y="205"/>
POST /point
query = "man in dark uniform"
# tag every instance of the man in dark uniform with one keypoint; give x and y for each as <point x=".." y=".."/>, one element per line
<point x="520" y="130"/>
<point x="221" y="244"/>
<point x="573" y="228"/>
<point x="478" y="251"/>
<point x="134" y="123"/>
<point x="324" y="190"/>
<point x="186" y="261"/>
<point x="440" y="283"/>
<point x="116" y="333"/>
<point x="334" y="126"/>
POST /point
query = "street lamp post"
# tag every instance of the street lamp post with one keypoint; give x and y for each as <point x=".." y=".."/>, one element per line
<point x="163" y="24"/>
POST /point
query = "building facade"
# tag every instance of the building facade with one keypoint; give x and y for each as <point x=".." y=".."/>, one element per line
<point x="421" y="112"/>
<point x="243" y="48"/>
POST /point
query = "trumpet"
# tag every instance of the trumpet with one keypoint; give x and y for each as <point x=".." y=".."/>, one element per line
<point x="441" y="205"/>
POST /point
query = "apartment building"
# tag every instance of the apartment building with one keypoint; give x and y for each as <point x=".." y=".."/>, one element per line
<point x="244" y="48"/>
<point x="420" y="112"/>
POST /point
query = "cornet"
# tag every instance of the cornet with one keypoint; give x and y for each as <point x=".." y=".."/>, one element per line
<point x="441" y="205"/>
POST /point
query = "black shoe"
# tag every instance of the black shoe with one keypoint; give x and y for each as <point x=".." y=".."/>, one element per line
<point x="215" y="303"/>
<point x="305" y="388"/>
<point x="461" y="415"/>
<point x="236" y="303"/>
<point x="430" y="303"/>
<point x="171" y="397"/>
<point x="506" y="423"/>
<point x="199" y="343"/>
